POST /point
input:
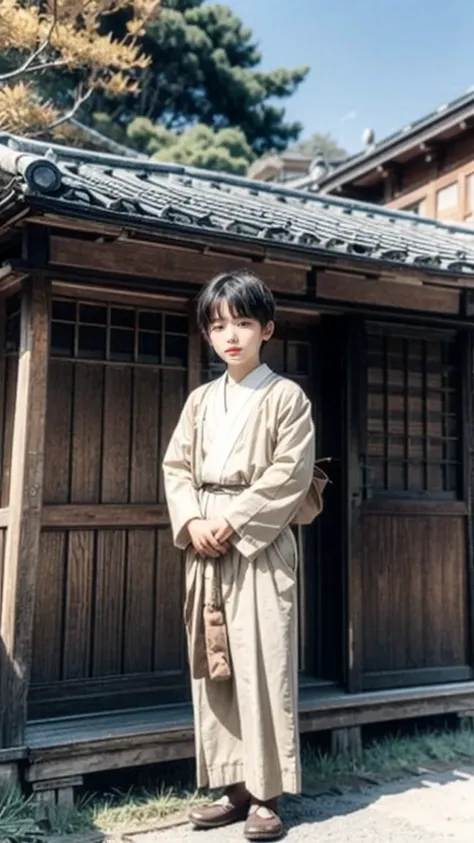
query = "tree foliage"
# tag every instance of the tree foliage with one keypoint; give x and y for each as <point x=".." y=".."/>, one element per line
<point x="204" y="68"/>
<point x="225" y="150"/>
<point x="324" y="143"/>
<point x="65" y="40"/>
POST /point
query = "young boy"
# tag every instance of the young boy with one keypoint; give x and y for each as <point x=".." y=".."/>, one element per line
<point x="238" y="467"/>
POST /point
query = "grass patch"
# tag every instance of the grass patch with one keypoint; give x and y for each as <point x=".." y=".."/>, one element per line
<point x="391" y="757"/>
<point x="143" y="806"/>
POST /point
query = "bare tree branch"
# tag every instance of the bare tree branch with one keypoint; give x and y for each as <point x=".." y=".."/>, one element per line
<point x="28" y="65"/>
<point x="36" y="68"/>
<point x="79" y="101"/>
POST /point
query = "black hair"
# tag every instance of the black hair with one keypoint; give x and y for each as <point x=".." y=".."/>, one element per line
<point x="246" y="295"/>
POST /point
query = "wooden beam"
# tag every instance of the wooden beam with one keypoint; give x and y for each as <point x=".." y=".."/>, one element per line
<point x="151" y="260"/>
<point x="95" y="516"/>
<point x="23" y="533"/>
<point x="338" y="287"/>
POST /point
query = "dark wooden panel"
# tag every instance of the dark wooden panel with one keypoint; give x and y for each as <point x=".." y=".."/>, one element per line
<point x="87" y="434"/>
<point x="168" y="264"/>
<point x="49" y="608"/>
<point x="78" y="611"/>
<point x="116" y="435"/>
<point x="145" y="436"/>
<point x="414" y="592"/>
<point x="109" y="591"/>
<point x="140" y="601"/>
<point x="58" y="432"/>
<point x="116" y="588"/>
<point x="108" y="605"/>
<point x="169" y="646"/>
<point x="11" y="375"/>
<point x="173" y="393"/>
<point x="386" y="293"/>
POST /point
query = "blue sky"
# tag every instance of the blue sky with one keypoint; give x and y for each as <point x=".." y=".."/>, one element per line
<point x="374" y="63"/>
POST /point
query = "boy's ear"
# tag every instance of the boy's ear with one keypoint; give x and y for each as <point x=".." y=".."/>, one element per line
<point x="268" y="331"/>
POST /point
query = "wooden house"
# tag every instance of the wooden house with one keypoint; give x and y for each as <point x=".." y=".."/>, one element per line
<point x="101" y="260"/>
<point x="426" y="167"/>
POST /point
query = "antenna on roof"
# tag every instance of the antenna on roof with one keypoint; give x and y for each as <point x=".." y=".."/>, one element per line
<point x="368" y="138"/>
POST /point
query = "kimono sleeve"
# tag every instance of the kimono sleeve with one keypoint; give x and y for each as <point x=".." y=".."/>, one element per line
<point x="262" y="511"/>
<point x="181" y="495"/>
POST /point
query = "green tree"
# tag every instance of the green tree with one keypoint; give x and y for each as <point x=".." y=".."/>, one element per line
<point x="200" y="146"/>
<point x="204" y="68"/>
<point x="324" y="143"/>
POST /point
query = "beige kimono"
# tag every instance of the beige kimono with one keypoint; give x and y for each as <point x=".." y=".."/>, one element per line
<point x="245" y="453"/>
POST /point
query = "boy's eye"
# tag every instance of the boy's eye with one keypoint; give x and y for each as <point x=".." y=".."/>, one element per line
<point x="244" y="323"/>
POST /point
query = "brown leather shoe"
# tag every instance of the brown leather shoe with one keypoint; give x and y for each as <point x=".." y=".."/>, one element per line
<point x="263" y="822"/>
<point x="219" y="814"/>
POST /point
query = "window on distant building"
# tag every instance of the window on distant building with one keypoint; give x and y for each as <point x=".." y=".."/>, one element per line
<point x="469" y="215"/>
<point x="418" y="207"/>
<point x="447" y="200"/>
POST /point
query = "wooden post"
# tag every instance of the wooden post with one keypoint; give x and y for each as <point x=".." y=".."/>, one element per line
<point x="347" y="742"/>
<point x="355" y="402"/>
<point x="23" y="532"/>
<point x="194" y="351"/>
<point x="466" y="348"/>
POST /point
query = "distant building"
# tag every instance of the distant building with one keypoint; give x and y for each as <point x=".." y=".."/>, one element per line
<point x="426" y="167"/>
<point x="283" y="167"/>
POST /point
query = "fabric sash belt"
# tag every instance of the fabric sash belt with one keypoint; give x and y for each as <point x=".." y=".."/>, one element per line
<point x="217" y="489"/>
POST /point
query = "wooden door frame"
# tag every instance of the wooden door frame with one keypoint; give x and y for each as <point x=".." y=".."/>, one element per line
<point x="354" y="416"/>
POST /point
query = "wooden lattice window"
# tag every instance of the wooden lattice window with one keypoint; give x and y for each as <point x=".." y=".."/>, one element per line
<point x="413" y="414"/>
<point x="104" y="332"/>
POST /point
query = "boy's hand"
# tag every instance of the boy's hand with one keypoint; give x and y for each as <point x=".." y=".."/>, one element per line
<point x="221" y="529"/>
<point x="204" y="540"/>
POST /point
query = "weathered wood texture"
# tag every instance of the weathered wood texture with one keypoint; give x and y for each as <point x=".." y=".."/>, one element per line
<point x="25" y="500"/>
<point x="109" y="589"/>
<point x="414" y="593"/>
<point x="414" y="551"/>
<point x="168" y="264"/>
<point x="108" y="616"/>
<point x="11" y="375"/>
<point x="108" y="604"/>
<point x="380" y="293"/>
<point x="86" y="744"/>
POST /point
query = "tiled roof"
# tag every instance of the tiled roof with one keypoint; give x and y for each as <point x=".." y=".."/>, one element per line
<point x="159" y="195"/>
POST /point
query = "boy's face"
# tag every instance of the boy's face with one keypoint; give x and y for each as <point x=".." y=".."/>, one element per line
<point x="237" y="339"/>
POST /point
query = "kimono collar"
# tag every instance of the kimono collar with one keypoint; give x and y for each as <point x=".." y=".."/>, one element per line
<point x="226" y="426"/>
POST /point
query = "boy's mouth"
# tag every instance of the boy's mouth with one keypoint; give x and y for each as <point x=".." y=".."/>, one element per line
<point x="233" y="350"/>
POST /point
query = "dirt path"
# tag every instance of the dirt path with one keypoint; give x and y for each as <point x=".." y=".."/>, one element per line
<point x="432" y="808"/>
